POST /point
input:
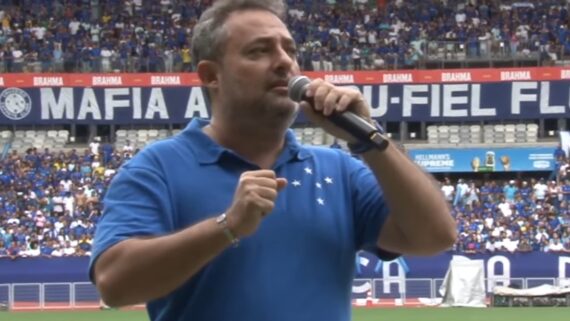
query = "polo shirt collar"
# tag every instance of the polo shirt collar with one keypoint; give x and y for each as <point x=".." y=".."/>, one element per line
<point x="207" y="151"/>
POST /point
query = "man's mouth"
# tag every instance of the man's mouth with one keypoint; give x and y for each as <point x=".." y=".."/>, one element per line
<point x="279" y="84"/>
<point x="280" y="87"/>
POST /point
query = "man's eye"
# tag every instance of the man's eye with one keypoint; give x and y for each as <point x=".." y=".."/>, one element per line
<point x="258" y="51"/>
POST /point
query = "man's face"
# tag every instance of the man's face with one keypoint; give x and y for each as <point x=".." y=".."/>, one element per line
<point x="258" y="59"/>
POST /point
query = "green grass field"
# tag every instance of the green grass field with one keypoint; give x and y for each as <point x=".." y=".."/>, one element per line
<point x="388" y="314"/>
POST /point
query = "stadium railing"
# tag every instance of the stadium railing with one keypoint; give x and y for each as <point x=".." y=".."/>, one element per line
<point x="379" y="292"/>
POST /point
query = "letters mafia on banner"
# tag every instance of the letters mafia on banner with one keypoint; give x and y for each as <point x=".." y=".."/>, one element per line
<point x="106" y="99"/>
<point x="466" y="95"/>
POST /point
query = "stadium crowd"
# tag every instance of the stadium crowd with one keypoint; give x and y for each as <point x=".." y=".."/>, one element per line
<point x="154" y="36"/>
<point x="514" y="215"/>
<point x="50" y="203"/>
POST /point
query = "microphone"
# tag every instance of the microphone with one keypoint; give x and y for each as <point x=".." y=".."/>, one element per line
<point x="347" y="120"/>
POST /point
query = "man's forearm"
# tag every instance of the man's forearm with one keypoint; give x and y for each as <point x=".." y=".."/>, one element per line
<point x="416" y="203"/>
<point x="139" y="270"/>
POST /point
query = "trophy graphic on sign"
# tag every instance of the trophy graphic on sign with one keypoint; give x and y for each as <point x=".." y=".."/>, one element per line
<point x="475" y="164"/>
<point x="506" y="161"/>
<point x="490" y="161"/>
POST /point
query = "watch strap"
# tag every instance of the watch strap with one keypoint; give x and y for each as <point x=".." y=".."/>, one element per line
<point x="222" y="221"/>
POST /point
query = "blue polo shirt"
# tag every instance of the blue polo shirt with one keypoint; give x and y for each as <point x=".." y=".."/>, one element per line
<point x="298" y="265"/>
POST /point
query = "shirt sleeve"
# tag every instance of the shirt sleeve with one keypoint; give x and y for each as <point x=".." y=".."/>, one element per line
<point x="370" y="209"/>
<point x="136" y="204"/>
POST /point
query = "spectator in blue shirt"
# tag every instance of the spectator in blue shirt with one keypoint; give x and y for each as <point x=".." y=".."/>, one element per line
<point x="510" y="190"/>
<point x="559" y="152"/>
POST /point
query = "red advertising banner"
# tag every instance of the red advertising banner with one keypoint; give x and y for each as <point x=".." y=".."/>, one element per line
<point x="447" y="75"/>
<point x="99" y="80"/>
<point x="485" y="75"/>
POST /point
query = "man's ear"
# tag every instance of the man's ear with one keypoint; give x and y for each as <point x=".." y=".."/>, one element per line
<point x="208" y="73"/>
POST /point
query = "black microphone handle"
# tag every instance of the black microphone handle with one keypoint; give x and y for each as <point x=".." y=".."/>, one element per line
<point x="354" y="124"/>
<point x="349" y="121"/>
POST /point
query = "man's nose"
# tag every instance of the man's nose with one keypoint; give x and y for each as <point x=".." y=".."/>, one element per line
<point x="284" y="60"/>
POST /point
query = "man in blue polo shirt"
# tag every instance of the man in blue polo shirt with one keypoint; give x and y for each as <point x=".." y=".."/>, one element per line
<point x="232" y="219"/>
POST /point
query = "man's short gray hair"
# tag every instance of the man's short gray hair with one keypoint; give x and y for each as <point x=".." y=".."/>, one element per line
<point x="208" y="34"/>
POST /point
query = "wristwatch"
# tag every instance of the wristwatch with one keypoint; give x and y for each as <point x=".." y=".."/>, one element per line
<point x="377" y="141"/>
<point x="222" y="221"/>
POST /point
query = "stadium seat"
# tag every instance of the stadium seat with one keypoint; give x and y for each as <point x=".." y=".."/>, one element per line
<point x="63" y="133"/>
<point x="152" y="133"/>
<point x="6" y="134"/>
<point x="163" y="133"/>
<point x="432" y="134"/>
<point x="52" y="133"/>
<point x="499" y="128"/>
<point x="532" y="133"/>
<point x="121" y="133"/>
<point x="19" y="134"/>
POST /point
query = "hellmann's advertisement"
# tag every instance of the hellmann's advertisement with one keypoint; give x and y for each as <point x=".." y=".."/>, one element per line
<point x="484" y="159"/>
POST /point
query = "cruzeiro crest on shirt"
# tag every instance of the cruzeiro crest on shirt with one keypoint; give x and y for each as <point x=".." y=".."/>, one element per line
<point x="15" y="103"/>
<point x="319" y="184"/>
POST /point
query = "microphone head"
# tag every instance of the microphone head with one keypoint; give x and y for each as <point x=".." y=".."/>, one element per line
<point x="297" y="86"/>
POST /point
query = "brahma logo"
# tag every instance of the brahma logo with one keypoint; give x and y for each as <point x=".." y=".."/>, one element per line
<point x="516" y="75"/>
<point x="107" y="80"/>
<point x="455" y="76"/>
<point x="15" y="103"/>
<point x="398" y="78"/>
<point x="340" y="79"/>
